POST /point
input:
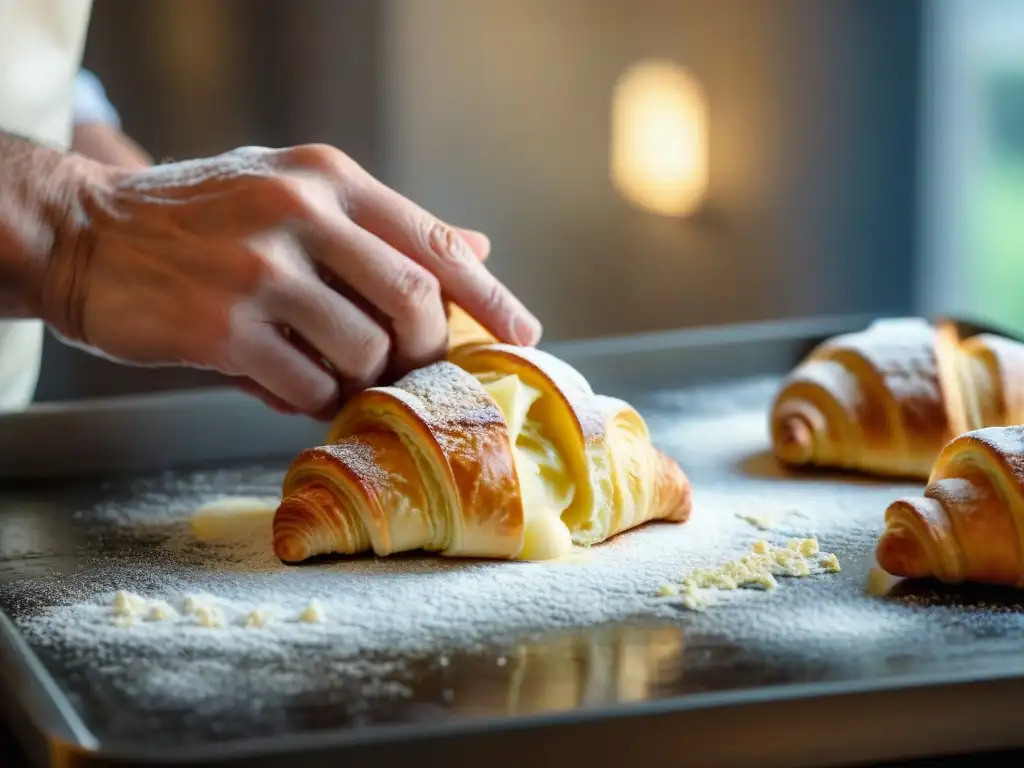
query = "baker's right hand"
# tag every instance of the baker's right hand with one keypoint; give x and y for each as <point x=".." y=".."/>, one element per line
<point x="293" y="270"/>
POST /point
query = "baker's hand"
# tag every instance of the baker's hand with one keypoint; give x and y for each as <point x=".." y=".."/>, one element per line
<point x="293" y="270"/>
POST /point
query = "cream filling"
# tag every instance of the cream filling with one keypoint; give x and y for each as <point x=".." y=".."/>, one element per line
<point x="544" y="481"/>
<point x="234" y="518"/>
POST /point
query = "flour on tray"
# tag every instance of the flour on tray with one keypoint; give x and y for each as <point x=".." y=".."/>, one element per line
<point x="186" y="612"/>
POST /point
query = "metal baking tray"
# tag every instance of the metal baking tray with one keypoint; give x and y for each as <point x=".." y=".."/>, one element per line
<point x="655" y="692"/>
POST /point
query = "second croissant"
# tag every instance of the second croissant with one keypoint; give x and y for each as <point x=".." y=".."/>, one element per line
<point x="499" y="452"/>
<point x="887" y="399"/>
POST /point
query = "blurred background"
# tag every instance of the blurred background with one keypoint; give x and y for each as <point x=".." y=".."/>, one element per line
<point x="639" y="165"/>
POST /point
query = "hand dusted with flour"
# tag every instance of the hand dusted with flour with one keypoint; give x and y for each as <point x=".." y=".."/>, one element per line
<point x="500" y="452"/>
<point x="887" y="399"/>
<point x="968" y="524"/>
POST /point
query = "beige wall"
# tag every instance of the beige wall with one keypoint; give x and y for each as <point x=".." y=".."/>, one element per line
<point x="497" y="117"/>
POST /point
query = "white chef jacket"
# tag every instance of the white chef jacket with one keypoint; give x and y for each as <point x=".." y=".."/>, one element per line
<point x="40" y="53"/>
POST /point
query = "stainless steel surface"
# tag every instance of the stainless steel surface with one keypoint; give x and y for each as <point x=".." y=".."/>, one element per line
<point x="787" y="682"/>
<point x="146" y="432"/>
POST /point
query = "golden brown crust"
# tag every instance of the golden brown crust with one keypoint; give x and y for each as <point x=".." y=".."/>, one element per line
<point x="885" y="400"/>
<point x="443" y="414"/>
<point x="995" y="367"/>
<point x="428" y="463"/>
<point x="969" y="524"/>
<point x="673" y="494"/>
<point x="869" y="401"/>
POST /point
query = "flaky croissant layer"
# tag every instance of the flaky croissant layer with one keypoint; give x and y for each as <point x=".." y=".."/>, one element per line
<point x="887" y="399"/>
<point x="969" y="523"/>
<point x="500" y="452"/>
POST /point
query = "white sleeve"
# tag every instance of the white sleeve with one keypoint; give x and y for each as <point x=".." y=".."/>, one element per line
<point x="91" y="104"/>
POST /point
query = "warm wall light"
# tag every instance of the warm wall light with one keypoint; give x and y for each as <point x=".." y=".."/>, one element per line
<point x="659" y="138"/>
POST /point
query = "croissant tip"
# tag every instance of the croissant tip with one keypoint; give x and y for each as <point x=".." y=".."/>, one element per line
<point x="289" y="549"/>
<point x="291" y="545"/>
<point x="900" y="553"/>
<point x="794" y="440"/>
<point x="677" y="491"/>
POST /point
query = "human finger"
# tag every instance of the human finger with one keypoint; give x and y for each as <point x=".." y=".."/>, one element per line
<point x="262" y="354"/>
<point x="406" y="294"/>
<point x="443" y="251"/>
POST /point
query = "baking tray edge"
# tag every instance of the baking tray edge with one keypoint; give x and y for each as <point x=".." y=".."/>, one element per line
<point x="798" y="721"/>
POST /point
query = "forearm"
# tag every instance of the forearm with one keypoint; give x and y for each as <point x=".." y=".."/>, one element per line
<point x="106" y="144"/>
<point x="97" y="127"/>
<point x="37" y="189"/>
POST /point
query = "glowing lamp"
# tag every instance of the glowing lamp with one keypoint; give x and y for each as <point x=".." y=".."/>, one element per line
<point x="659" y="139"/>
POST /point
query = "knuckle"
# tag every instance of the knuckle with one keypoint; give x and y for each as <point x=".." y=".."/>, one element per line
<point x="319" y="157"/>
<point x="443" y="242"/>
<point x="415" y="289"/>
<point x="275" y="262"/>
<point x="283" y="196"/>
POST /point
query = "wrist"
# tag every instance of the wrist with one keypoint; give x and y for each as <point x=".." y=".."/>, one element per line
<point x="56" y="285"/>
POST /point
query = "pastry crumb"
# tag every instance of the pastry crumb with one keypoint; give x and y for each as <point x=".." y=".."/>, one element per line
<point x="809" y="547"/>
<point x="760" y="567"/>
<point x="208" y="616"/>
<point x="128" y="603"/>
<point x="313" y="613"/>
<point x="257" y="618"/>
<point x="161" y="611"/>
<point x="695" y="602"/>
<point x="667" y="590"/>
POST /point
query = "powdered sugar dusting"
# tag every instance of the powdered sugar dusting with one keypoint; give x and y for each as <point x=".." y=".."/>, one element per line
<point x="380" y="621"/>
<point x="356" y="453"/>
<point x="450" y="399"/>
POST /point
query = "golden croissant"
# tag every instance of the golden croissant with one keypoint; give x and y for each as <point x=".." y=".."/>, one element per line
<point x="969" y="524"/>
<point x="498" y="452"/>
<point x="887" y="399"/>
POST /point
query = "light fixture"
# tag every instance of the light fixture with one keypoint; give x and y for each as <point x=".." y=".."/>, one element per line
<point x="659" y="138"/>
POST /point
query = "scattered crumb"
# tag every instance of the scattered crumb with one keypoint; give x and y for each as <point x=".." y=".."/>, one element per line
<point x="757" y="569"/>
<point x="128" y="604"/>
<point x="313" y="613"/>
<point x="193" y="603"/>
<point x="161" y="611"/>
<point x="693" y="598"/>
<point x="809" y="547"/>
<point x="257" y="618"/>
<point x="208" y="616"/>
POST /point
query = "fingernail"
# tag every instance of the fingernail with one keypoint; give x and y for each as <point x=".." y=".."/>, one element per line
<point x="526" y="329"/>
